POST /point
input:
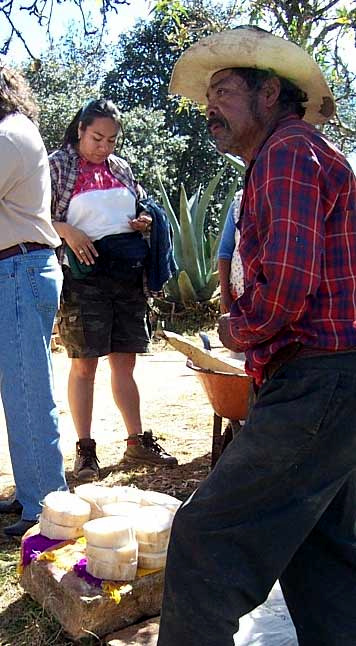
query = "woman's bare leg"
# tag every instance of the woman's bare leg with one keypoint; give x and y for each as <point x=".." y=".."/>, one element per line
<point x="80" y="397"/>
<point x="141" y="447"/>
<point x="125" y="391"/>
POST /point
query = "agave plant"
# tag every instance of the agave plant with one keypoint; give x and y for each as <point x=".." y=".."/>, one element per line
<point x="195" y="250"/>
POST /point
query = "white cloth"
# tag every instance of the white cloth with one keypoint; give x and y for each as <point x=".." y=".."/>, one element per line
<point x="102" y="213"/>
<point x="236" y="269"/>
<point x="268" y="625"/>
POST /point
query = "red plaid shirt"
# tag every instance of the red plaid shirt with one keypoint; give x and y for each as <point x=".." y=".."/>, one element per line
<point x="298" y="247"/>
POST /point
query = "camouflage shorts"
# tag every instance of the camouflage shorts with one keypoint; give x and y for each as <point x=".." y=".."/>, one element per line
<point x="99" y="315"/>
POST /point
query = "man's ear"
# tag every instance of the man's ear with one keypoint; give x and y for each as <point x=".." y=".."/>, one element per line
<point x="271" y="90"/>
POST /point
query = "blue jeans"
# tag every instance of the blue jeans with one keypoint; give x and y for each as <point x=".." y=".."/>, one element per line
<point x="279" y="504"/>
<point x="30" y="286"/>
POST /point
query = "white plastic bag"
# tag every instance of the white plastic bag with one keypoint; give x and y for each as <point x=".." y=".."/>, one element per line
<point x="268" y="625"/>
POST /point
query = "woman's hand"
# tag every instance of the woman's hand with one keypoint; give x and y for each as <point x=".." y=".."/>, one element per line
<point x="142" y="223"/>
<point x="78" y="241"/>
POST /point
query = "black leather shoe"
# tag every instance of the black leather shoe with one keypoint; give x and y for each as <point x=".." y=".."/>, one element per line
<point x="19" y="528"/>
<point x="10" y="506"/>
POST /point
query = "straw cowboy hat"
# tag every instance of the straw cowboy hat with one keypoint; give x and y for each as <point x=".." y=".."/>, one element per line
<point x="249" y="46"/>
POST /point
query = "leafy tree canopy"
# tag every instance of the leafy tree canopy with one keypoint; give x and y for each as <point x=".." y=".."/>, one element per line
<point x="143" y="62"/>
<point x="151" y="149"/>
<point x="70" y="74"/>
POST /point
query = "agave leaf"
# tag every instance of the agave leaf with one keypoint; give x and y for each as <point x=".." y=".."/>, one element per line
<point x="189" y="243"/>
<point x="167" y="204"/>
<point x="237" y="164"/>
<point x="193" y="203"/>
<point x="178" y="252"/>
<point x="186" y="289"/>
<point x="195" y="251"/>
<point x="201" y="212"/>
<point x="206" y="293"/>
<point x="210" y="238"/>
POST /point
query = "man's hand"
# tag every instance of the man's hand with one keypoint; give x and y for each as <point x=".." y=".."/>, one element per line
<point x="224" y="333"/>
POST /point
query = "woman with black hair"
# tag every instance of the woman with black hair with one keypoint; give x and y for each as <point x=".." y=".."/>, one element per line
<point x="30" y="285"/>
<point x="104" y="306"/>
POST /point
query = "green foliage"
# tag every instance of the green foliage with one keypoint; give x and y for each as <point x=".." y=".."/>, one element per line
<point x="151" y="149"/>
<point x="59" y="95"/>
<point x="195" y="247"/>
<point x="69" y="75"/>
<point x="143" y="62"/>
<point x="323" y="28"/>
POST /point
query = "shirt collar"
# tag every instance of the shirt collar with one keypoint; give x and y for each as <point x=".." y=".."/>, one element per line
<point x="280" y="123"/>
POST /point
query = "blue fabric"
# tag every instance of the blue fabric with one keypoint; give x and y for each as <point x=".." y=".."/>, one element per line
<point x="279" y="504"/>
<point x="122" y="256"/>
<point x="29" y="298"/>
<point x="161" y="265"/>
<point x="227" y="242"/>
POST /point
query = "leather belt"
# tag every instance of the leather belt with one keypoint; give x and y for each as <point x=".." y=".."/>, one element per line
<point x="22" y="248"/>
<point x="296" y="349"/>
<point x="282" y="356"/>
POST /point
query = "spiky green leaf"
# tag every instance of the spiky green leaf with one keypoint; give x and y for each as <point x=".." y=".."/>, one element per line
<point x="189" y="243"/>
<point x="210" y="287"/>
<point x="186" y="289"/>
<point x="236" y="163"/>
<point x="177" y="246"/>
<point x="201" y="212"/>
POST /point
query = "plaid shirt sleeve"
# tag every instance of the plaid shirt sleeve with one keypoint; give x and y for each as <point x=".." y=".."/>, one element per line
<point x="64" y="171"/>
<point x="297" y="246"/>
<point x="287" y="222"/>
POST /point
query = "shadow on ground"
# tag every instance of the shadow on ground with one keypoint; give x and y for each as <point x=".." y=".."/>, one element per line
<point x="179" y="481"/>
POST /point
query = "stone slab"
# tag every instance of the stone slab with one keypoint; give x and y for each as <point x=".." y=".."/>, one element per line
<point x="82" y="608"/>
<point x="143" y="634"/>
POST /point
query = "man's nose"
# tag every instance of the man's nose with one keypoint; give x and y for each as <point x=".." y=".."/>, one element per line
<point x="211" y="110"/>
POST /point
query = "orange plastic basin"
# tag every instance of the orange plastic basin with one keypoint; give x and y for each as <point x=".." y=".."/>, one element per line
<point x="228" y="394"/>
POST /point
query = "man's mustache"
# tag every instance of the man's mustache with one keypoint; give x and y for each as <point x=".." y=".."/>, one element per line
<point x="217" y="121"/>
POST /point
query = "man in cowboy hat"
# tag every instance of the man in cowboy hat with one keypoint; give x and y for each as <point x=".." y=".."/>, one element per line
<point x="281" y="501"/>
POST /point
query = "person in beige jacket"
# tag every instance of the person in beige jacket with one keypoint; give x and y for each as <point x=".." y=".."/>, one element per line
<point x="31" y="281"/>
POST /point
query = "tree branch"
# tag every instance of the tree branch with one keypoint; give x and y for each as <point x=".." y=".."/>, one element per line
<point x="14" y="30"/>
<point x="37" y="9"/>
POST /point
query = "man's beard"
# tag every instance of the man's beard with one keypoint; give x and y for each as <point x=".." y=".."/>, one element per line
<point x="228" y="141"/>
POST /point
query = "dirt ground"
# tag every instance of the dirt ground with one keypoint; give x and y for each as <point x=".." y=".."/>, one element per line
<point x="173" y="405"/>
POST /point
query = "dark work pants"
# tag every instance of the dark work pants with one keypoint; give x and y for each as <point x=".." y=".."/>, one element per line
<point x="279" y="504"/>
